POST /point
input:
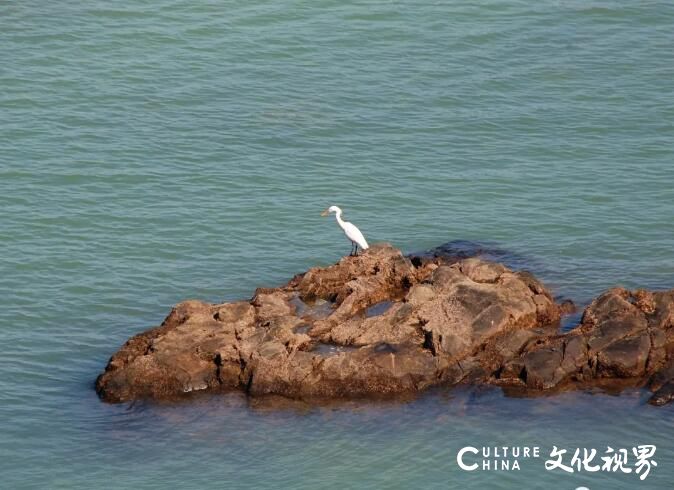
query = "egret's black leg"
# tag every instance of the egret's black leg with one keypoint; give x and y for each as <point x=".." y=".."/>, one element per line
<point x="356" y="250"/>
<point x="351" y="253"/>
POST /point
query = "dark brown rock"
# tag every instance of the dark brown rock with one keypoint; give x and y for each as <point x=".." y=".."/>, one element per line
<point x="622" y="335"/>
<point x="664" y="395"/>
<point x="382" y="324"/>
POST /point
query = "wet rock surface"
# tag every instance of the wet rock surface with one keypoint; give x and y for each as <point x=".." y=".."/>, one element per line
<point x="382" y="324"/>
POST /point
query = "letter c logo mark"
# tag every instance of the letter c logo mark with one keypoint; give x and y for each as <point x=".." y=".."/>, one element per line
<point x="459" y="458"/>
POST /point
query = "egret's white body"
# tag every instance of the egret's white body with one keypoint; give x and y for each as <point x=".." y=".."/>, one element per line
<point x="350" y="230"/>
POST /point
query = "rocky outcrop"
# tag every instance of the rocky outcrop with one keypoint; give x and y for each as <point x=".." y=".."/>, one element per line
<point x="381" y="324"/>
<point x="623" y="335"/>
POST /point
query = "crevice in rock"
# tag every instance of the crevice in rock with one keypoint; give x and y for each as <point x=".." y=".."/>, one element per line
<point x="218" y="367"/>
<point x="249" y="383"/>
<point x="523" y="374"/>
<point x="647" y="365"/>
<point x="149" y="349"/>
<point x="428" y="343"/>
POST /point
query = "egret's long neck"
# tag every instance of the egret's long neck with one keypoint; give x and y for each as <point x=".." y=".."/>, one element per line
<point x="338" y="216"/>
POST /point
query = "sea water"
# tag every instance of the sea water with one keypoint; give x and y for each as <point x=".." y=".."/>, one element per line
<point x="152" y="152"/>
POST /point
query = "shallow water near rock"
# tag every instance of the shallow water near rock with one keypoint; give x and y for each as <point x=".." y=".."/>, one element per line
<point x="316" y="310"/>
<point x="378" y="309"/>
<point x="150" y="155"/>
<point x="302" y="329"/>
<point x="327" y="350"/>
<point x="571" y="321"/>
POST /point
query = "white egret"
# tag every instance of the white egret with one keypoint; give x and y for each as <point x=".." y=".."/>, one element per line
<point x="350" y="230"/>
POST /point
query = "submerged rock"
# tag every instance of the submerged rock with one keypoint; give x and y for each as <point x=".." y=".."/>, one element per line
<point x="381" y="324"/>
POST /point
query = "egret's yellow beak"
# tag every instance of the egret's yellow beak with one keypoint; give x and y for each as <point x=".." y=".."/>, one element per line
<point x="325" y="213"/>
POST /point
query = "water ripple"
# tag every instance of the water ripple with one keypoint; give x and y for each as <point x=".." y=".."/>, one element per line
<point x="151" y="153"/>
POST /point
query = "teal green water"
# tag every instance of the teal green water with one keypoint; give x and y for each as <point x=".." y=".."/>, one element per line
<point x="156" y="151"/>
